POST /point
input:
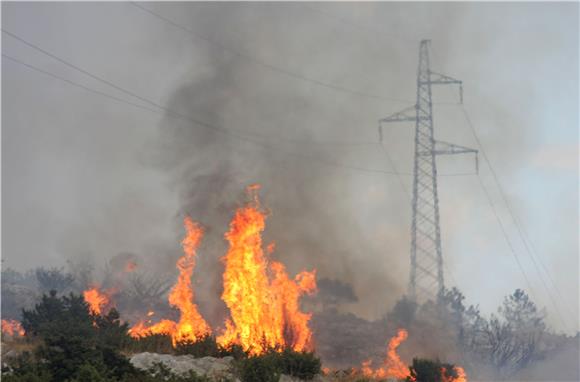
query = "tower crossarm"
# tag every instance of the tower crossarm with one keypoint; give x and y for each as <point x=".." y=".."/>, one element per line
<point x="408" y="114"/>
<point x="446" y="148"/>
<point x="442" y="79"/>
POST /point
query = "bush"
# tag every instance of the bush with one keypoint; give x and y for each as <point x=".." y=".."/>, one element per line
<point x="74" y="341"/>
<point x="155" y="343"/>
<point x="208" y="346"/>
<point x="25" y="369"/>
<point x="425" y="370"/>
<point x="269" y="366"/>
<point x="301" y="365"/>
<point x="262" y="368"/>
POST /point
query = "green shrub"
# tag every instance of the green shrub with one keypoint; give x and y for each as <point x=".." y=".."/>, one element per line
<point x="25" y="368"/>
<point x="208" y="346"/>
<point x="262" y="368"/>
<point x="269" y="366"/>
<point x="73" y="340"/>
<point x="155" y="343"/>
<point x="87" y="373"/>
<point x="303" y="365"/>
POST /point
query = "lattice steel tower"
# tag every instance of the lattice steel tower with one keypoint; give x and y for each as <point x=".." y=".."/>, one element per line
<point x="426" y="276"/>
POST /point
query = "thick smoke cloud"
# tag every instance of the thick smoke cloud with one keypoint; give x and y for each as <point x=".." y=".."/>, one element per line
<point x="85" y="176"/>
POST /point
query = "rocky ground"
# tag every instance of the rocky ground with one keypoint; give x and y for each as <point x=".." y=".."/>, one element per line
<point x="217" y="369"/>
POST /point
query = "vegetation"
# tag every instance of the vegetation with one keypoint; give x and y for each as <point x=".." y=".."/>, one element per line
<point x="75" y="345"/>
<point x="424" y="370"/>
<point x="269" y="366"/>
<point x="65" y="342"/>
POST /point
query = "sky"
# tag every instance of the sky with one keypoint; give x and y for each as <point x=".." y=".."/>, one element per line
<point x="88" y="176"/>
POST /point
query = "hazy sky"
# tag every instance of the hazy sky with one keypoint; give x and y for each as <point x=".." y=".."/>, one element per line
<point x="84" y="175"/>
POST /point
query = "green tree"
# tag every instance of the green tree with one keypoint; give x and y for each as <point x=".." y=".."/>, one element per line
<point x="73" y="339"/>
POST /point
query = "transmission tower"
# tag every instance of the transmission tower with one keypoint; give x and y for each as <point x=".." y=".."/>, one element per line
<point x="426" y="275"/>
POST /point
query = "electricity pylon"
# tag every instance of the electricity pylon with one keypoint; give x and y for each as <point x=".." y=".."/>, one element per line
<point x="426" y="275"/>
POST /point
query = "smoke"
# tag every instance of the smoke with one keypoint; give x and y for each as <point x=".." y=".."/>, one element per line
<point x="311" y="217"/>
<point x="96" y="178"/>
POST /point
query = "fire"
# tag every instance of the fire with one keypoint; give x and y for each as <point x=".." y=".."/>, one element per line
<point x="12" y="328"/>
<point x="393" y="367"/>
<point x="461" y="375"/>
<point x="262" y="299"/>
<point x="96" y="299"/>
<point x="144" y="329"/>
<point x="191" y="325"/>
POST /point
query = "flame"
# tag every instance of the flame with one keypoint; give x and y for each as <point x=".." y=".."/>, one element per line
<point x="461" y="375"/>
<point x="142" y="329"/>
<point x="191" y="325"/>
<point x="96" y="299"/>
<point x="393" y="367"/>
<point x="262" y="299"/>
<point x="12" y="328"/>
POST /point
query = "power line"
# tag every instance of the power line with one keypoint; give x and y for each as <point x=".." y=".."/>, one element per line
<point x="226" y="132"/>
<point x="356" y="25"/>
<point x="155" y="104"/>
<point x="267" y="65"/>
<point x="539" y="258"/>
<point x="504" y="232"/>
<point x="513" y="216"/>
<point x="77" y="68"/>
<point x="73" y="83"/>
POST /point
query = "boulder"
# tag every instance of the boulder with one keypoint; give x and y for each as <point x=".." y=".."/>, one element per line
<point x="182" y="364"/>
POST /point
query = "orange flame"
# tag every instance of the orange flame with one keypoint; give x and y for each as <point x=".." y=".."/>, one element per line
<point x="96" y="299"/>
<point x="393" y="367"/>
<point x="141" y="329"/>
<point x="191" y="325"/>
<point x="461" y="375"/>
<point x="12" y="328"/>
<point x="262" y="299"/>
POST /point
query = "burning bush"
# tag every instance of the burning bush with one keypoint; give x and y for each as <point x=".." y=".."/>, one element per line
<point x="424" y="370"/>
<point x="73" y="342"/>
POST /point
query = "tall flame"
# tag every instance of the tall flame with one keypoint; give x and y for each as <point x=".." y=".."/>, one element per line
<point x="191" y="325"/>
<point x="262" y="299"/>
<point x="12" y="328"/>
<point x="96" y="299"/>
<point x="393" y="367"/>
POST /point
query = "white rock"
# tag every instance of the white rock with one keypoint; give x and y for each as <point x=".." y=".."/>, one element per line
<point x="182" y="364"/>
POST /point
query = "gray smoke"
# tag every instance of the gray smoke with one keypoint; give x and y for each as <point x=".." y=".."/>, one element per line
<point x="85" y="176"/>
